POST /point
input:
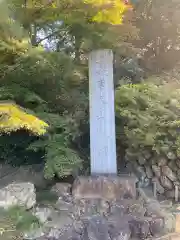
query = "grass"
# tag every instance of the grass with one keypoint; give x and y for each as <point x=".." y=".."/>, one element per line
<point x="15" y="221"/>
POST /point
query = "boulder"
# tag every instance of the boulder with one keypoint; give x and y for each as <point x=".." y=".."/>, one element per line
<point x="166" y="171"/>
<point x="159" y="188"/>
<point x="141" y="160"/>
<point x="149" y="171"/>
<point x="162" y="162"/>
<point x="156" y="171"/>
<point x="18" y="194"/>
<point x="156" y="226"/>
<point x="178" y="163"/>
<point x="166" y="183"/>
<point x="61" y="189"/>
<point x="140" y="228"/>
<point x="170" y="194"/>
<point x="42" y="213"/>
<point x="173" y="166"/>
<point x="171" y="156"/>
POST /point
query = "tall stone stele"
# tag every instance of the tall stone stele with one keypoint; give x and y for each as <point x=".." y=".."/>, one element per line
<point x="102" y="116"/>
<point x="103" y="182"/>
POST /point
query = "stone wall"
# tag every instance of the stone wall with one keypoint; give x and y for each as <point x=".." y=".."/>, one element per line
<point x="165" y="172"/>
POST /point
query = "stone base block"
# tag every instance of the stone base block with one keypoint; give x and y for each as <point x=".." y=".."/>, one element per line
<point x="111" y="188"/>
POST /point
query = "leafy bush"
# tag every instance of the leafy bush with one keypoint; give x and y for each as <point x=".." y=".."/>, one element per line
<point x="150" y="117"/>
<point x="62" y="90"/>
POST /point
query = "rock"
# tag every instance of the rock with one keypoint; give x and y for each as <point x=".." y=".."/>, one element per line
<point x="119" y="230"/>
<point x="178" y="174"/>
<point x="156" y="170"/>
<point x="159" y="188"/>
<point x="178" y="163"/>
<point x="139" y="228"/>
<point x="171" y="156"/>
<point x="166" y="171"/>
<point x="149" y="172"/>
<point x="18" y="194"/>
<point x="62" y="205"/>
<point x="137" y="209"/>
<point x="170" y="194"/>
<point x="141" y="160"/>
<point x="156" y="226"/>
<point x="173" y="166"/>
<point x="96" y="228"/>
<point x="166" y="183"/>
<point x="166" y="204"/>
<point x="101" y="187"/>
<point x="65" y="233"/>
<point x="59" y="220"/>
<point x="162" y="162"/>
<point x="42" y="213"/>
<point x="34" y="234"/>
<point x="61" y="189"/>
<point x="147" y="155"/>
<point x="155" y="210"/>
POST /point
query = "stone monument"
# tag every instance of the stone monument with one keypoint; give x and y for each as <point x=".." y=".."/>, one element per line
<point x="102" y="116"/>
<point x="103" y="182"/>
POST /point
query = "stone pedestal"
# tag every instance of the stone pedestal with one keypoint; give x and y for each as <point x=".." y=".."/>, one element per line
<point x="109" y="188"/>
<point x="97" y="194"/>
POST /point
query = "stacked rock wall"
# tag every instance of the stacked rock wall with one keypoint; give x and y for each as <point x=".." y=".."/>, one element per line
<point x="162" y="170"/>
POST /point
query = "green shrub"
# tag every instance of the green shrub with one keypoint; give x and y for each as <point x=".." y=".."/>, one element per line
<point x="23" y="219"/>
<point x="150" y="119"/>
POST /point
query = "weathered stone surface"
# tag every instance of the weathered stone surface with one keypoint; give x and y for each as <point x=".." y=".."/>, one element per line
<point x="61" y="189"/>
<point x="156" y="226"/>
<point x="162" y="162"/>
<point x="42" y="213"/>
<point x="139" y="228"/>
<point x="137" y="209"/>
<point x="88" y="207"/>
<point x="141" y="160"/>
<point x="119" y="230"/>
<point x="173" y="166"/>
<point x="178" y="162"/>
<point x="110" y="188"/>
<point x="96" y="228"/>
<point x="18" y="194"/>
<point x="170" y="194"/>
<point x="155" y="210"/>
<point x="171" y="156"/>
<point x="169" y="236"/>
<point x="149" y="171"/>
<point x="146" y="195"/>
<point x="159" y="188"/>
<point x="156" y="171"/>
<point x="166" y="183"/>
<point x="166" y="171"/>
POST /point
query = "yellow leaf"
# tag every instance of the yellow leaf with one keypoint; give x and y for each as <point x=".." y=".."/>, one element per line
<point x="13" y="118"/>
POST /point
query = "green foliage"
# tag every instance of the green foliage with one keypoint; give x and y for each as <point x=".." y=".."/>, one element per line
<point x="61" y="161"/>
<point x="23" y="219"/>
<point x="150" y="116"/>
<point x="62" y="90"/>
<point x="14" y="221"/>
